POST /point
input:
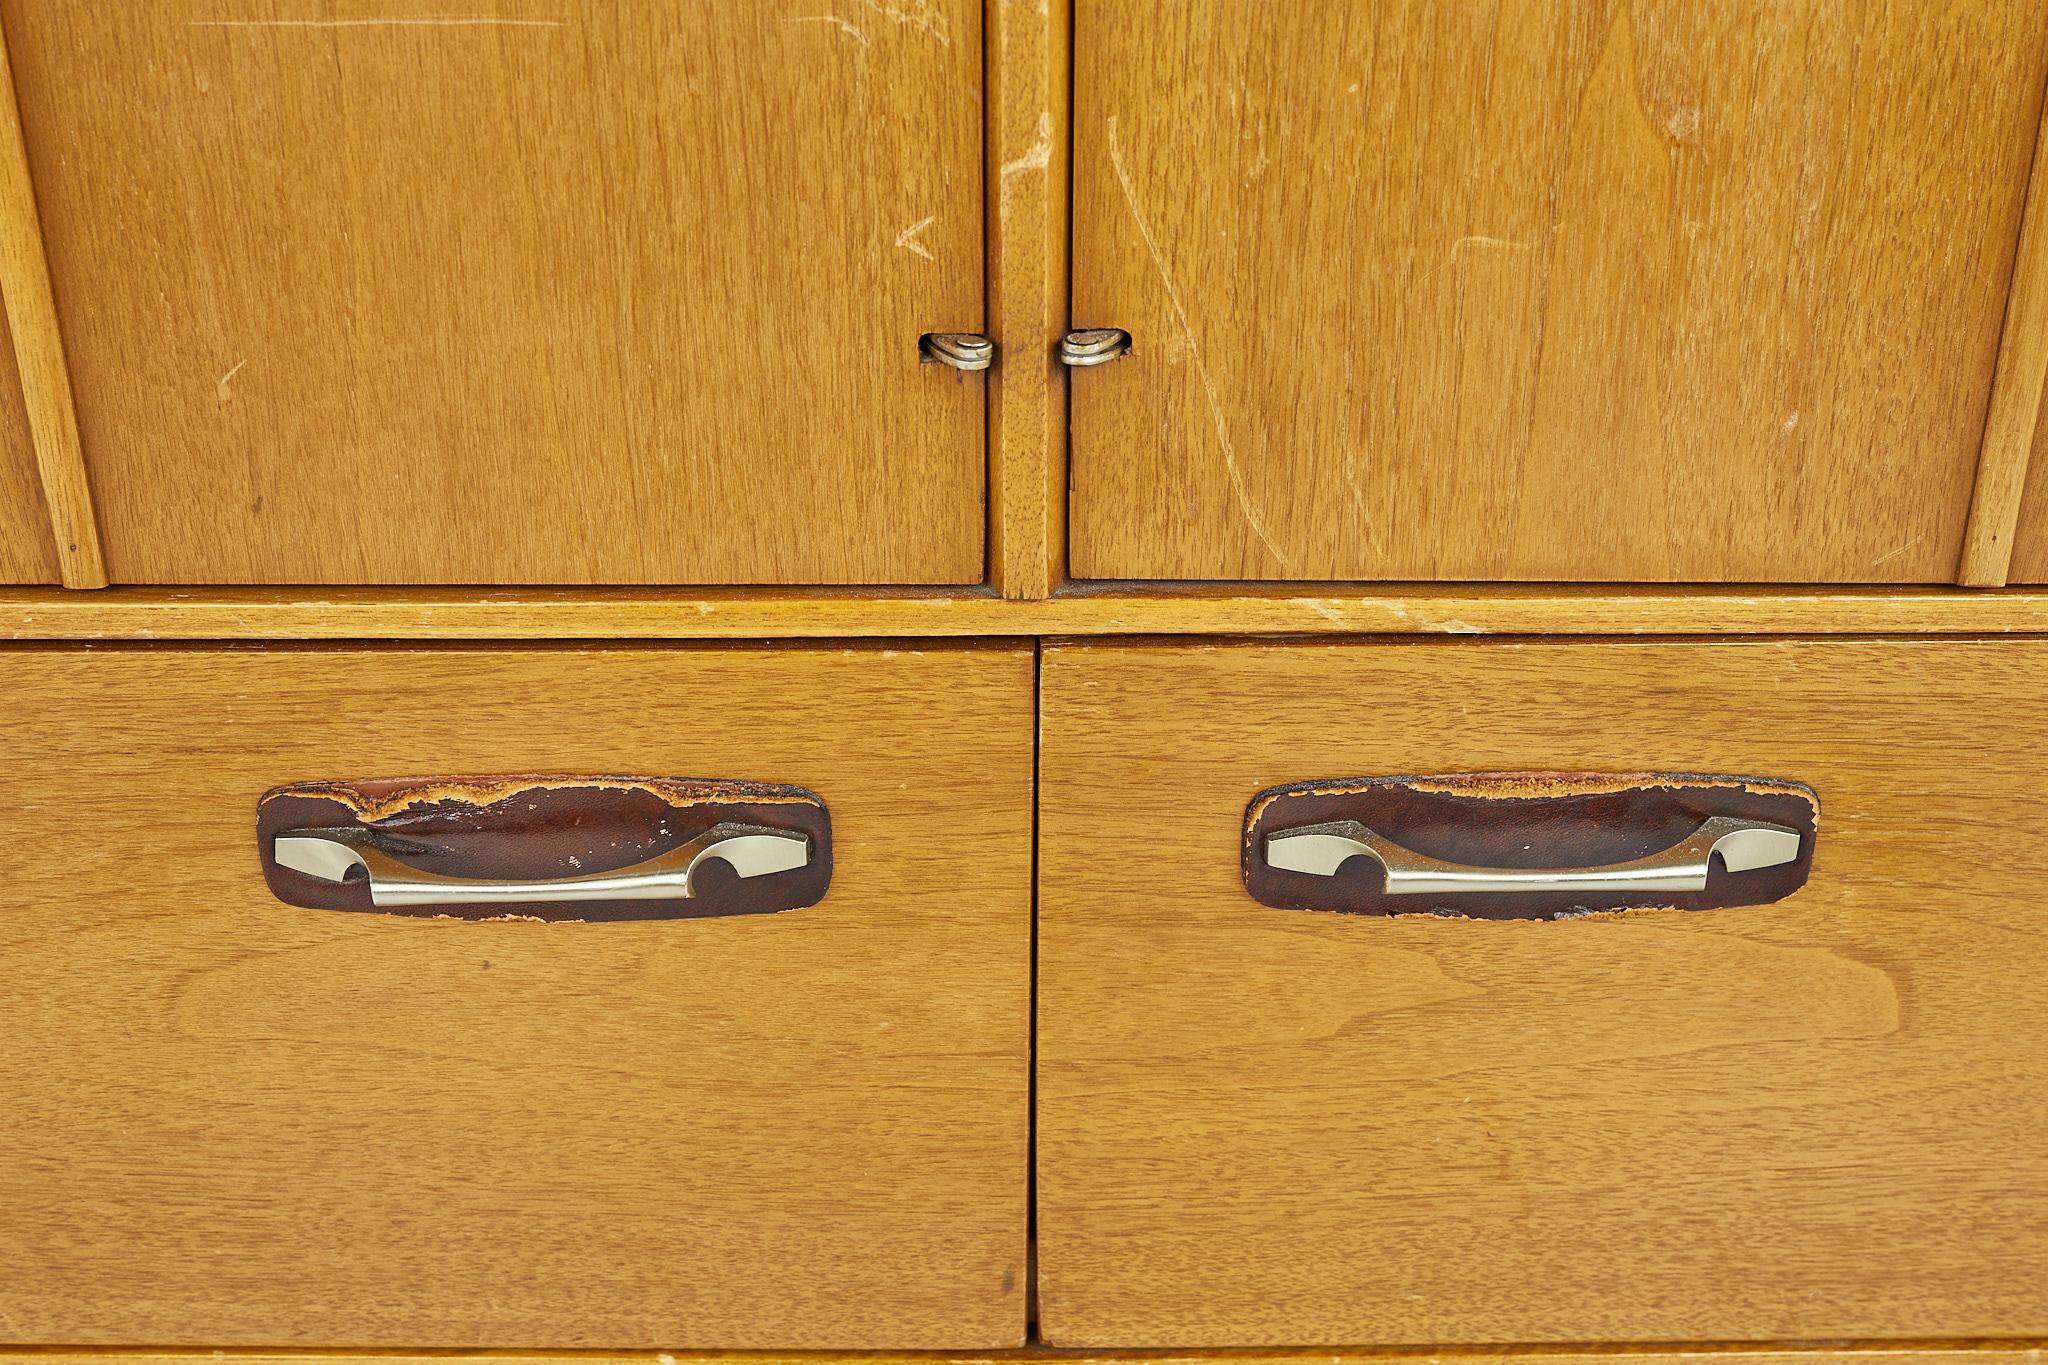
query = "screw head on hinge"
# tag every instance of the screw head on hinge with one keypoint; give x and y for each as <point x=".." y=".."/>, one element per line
<point x="961" y="350"/>
<point x="1094" y="346"/>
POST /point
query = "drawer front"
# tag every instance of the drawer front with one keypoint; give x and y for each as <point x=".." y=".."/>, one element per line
<point x="1534" y="290"/>
<point x="1826" y="1116"/>
<point x="236" y="1121"/>
<point x="544" y="293"/>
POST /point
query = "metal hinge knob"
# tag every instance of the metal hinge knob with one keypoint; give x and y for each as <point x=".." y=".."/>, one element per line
<point x="1094" y="346"/>
<point x="961" y="350"/>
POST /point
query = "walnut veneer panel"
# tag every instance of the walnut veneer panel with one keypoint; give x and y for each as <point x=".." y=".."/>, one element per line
<point x="1649" y="291"/>
<point x="1825" y="1118"/>
<point x="565" y="292"/>
<point x="231" y="1121"/>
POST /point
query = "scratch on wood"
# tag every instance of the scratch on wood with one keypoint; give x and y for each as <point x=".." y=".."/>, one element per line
<point x="1500" y="243"/>
<point x="1252" y="128"/>
<point x="415" y="21"/>
<point x="1037" y="156"/>
<point x="1894" y="554"/>
<point x="847" y="27"/>
<point x="907" y="239"/>
<point x="1180" y="314"/>
<point x="229" y="378"/>
<point x="926" y="16"/>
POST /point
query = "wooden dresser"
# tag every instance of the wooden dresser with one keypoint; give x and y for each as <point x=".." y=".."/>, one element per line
<point x="694" y="676"/>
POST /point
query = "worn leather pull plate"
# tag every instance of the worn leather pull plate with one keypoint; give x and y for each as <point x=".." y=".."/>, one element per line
<point x="545" y="827"/>
<point x="1548" y="820"/>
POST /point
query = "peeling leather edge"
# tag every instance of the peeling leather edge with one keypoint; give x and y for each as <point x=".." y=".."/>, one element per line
<point x="677" y="793"/>
<point x="1535" y="784"/>
<point x="482" y="793"/>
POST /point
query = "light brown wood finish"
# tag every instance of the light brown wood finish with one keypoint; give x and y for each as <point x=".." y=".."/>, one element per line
<point x="2015" y="410"/>
<point x="2003" y="1353"/>
<point x="1029" y="140"/>
<point x="234" y="1122"/>
<point x="1814" y="1119"/>
<point x="36" y="415"/>
<point x="27" y="553"/>
<point x="1651" y="291"/>
<point x="2030" y="537"/>
<point x="540" y="614"/>
<point x="549" y="293"/>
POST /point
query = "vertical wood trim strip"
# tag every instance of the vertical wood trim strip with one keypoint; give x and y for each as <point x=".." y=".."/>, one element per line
<point x="39" y="353"/>
<point x="2016" y="386"/>
<point x="1028" y="140"/>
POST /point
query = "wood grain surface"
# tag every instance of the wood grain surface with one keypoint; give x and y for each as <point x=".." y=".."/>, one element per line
<point x="1645" y="291"/>
<point x="1821" y="1119"/>
<point x="2015" y="407"/>
<point x="2030" y="536"/>
<point x="1029" y="140"/>
<point x="43" y="491"/>
<point x="1336" y="609"/>
<point x="234" y="1122"/>
<point x="27" y="553"/>
<point x="1985" y="1353"/>
<point x="529" y="291"/>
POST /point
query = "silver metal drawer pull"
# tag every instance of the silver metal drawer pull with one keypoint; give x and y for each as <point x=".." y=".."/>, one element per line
<point x="1741" y="845"/>
<point x="961" y="350"/>
<point x="331" y="854"/>
<point x="1094" y="346"/>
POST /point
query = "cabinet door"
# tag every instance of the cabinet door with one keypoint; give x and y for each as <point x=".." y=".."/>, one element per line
<point x="27" y="553"/>
<point x="574" y="292"/>
<point x="1519" y="289"/>
<point x="1820" y="1117"/>
<point x="236" y="1121"/>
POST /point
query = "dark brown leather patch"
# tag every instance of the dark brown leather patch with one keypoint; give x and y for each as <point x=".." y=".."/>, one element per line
<point x="1525" y="819"/>
<point x="530" y="827"/>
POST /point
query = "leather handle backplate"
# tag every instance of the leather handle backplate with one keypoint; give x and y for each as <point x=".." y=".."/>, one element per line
<point x="1484" y="845"/>
<point x="549" y="828"/>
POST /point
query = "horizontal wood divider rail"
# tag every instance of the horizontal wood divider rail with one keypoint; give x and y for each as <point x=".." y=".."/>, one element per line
<point x="684" y="614"/>
<point x="1951" y="1353"/>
